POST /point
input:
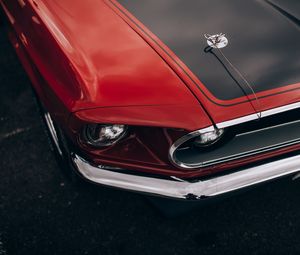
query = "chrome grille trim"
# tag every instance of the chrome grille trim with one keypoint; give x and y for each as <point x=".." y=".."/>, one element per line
<point x="266" y="113"/>
<point x="242" y="140"/>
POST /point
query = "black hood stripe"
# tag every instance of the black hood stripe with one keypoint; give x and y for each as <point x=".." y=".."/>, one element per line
<point x="135" y="7"/>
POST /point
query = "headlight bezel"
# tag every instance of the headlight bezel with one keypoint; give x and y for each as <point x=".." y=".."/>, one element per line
<point x="186" y="142"/>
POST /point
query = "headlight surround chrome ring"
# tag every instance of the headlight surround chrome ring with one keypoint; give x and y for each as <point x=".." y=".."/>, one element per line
<point x="188" y="137"/>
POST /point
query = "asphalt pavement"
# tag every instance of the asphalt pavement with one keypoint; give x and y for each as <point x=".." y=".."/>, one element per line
<point x="42" y="212"/>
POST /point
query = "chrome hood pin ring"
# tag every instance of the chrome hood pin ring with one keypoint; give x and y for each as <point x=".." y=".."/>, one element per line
<point x="218" y="41"/>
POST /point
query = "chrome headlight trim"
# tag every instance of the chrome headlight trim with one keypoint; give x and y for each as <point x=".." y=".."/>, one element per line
<point x="181" y="141"/>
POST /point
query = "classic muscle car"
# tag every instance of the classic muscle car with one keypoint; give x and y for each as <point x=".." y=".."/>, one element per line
<point x="182" y="99"/>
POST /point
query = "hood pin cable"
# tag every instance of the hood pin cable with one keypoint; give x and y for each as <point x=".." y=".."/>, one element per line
<point x="219" y="41"/>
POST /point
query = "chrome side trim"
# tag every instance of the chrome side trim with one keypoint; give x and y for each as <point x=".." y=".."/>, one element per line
<point x="52" y="131"/>
<point x="187" y="190"/>
<point x="254" y="115"/>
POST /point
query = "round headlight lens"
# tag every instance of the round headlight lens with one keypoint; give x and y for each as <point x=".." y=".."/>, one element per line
<point x="104" y="135"/>
<point x="209" y="138"/>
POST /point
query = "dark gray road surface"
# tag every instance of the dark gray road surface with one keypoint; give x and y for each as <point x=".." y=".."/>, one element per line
<point x="41" y="212"/>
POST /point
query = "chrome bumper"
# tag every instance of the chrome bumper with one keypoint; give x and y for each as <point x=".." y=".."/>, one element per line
<point x="187" y="190"/>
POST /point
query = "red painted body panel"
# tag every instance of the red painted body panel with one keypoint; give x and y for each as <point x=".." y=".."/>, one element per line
<point x="112" y="65"/>
<point x="106" y="65"/>
<point x="89" y="63"/>
<point x="104" y="62"/>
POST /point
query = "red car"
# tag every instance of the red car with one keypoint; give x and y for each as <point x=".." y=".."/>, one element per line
<point x="183" y="99"/>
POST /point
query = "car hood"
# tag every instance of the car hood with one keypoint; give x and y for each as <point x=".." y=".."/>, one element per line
<point x="154" y="53"/>
<point x="258" y="69"/>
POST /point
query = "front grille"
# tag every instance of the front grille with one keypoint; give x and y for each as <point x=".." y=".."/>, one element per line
<point x="248" y="139"/>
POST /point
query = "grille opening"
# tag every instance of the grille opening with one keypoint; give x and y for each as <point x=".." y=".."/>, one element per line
<point x="244" y="140"/>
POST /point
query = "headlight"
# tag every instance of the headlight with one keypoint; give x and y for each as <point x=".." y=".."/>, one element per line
<point x="103" y="135"/>
<point x="209" y="138"/>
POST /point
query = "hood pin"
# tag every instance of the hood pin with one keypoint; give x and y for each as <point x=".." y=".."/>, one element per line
<point x="216" y="41"/>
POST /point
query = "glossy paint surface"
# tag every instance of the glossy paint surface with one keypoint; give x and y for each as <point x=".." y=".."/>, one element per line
<point x="89" y="63"/>
<point x="105" y="64"/>
<point x="221" y="110"/>
<point x="257" y="36"/>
